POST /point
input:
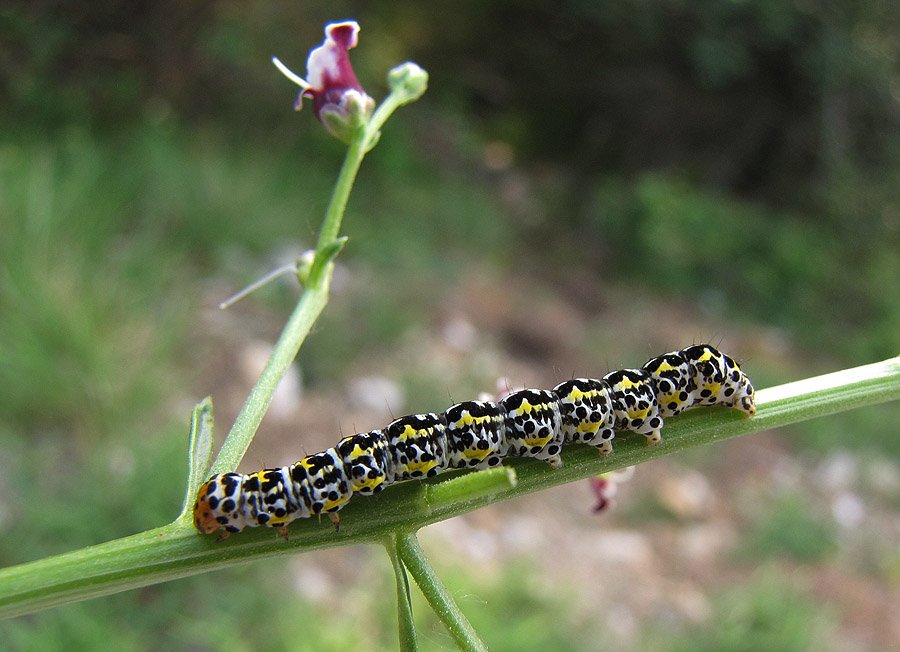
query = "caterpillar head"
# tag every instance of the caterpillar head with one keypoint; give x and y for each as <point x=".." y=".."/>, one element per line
<point x="204" y="519"/>
<point x="216" y="507"/>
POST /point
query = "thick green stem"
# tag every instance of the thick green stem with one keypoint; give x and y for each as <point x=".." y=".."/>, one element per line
<point x="413" y="557"/>
<point x="177" y="551"/>
<point x="406" y="623"/>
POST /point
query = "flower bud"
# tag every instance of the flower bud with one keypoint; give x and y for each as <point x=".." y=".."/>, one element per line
<point x="339" y="101"/>
<point x="408" y="81"/>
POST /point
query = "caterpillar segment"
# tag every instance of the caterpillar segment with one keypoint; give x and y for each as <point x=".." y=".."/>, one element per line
<point x="673" y="382"/>
<point x="325" y="479"/>
<point x="417" y="445"/>
<point x="477" y="434"/>
<point x="586" y="407"/>
<point x="533" y="425"/>
<point x="634" y="403"/>
<point x="719" y="379"/>
<point x="367" y="460"/>
<point x="280" y="498"/>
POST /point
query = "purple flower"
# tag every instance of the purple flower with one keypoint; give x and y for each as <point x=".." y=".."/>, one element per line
<point x="339" y="100"/>
<point x="606" y="485"/>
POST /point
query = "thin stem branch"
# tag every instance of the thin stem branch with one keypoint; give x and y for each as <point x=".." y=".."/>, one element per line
<point x="308" y="309"/>
<point x="312" y="302"/>
<point x="331" y="225"/>
<point x="414" y="558"/>
<point x="406" y="623"/>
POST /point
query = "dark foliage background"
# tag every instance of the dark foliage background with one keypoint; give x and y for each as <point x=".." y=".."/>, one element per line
<point x="780" y="119"/>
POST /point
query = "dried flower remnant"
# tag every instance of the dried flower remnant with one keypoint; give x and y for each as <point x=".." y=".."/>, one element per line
<point x="339" y="101"/>
<point x="606" y="486"/>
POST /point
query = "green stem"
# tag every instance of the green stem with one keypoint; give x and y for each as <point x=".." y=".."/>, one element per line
<point x="308" y="309"/>
<point x="312" y="302"/>
<point x="177" y="551"/>
<point x="390" y="104"/>
<point x="406" y="623"/>
<point x="331" y="225"/>
<point x="413" y="557"/>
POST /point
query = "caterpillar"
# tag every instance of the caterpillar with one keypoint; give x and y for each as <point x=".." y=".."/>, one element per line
<point x="474" y="435"/>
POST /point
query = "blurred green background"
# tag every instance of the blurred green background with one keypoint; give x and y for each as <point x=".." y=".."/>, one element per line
<point x="584" y="185"/>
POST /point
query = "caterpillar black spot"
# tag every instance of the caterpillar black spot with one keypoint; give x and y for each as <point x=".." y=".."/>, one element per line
<point x="477" y="434"/>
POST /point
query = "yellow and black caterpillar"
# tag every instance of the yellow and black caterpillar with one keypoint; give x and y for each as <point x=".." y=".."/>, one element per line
<point x="477" y="434"/>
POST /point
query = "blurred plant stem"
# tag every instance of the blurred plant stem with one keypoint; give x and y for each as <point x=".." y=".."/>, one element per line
<point x="414" y="558"/>
<point x="407" y="626"/>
